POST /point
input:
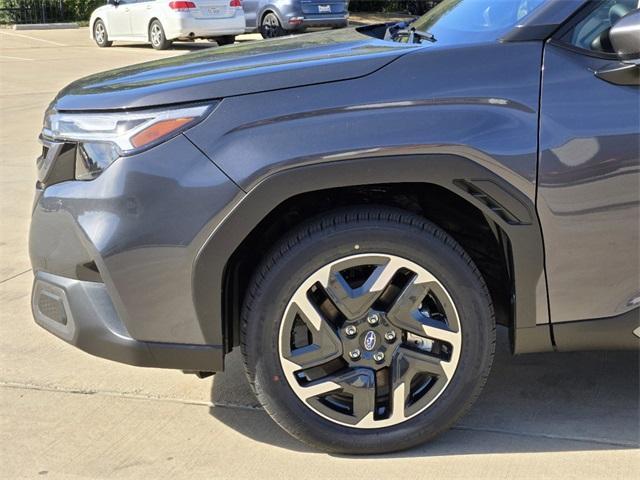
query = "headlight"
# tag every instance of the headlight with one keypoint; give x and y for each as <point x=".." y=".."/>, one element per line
<point x="103" y="137"/>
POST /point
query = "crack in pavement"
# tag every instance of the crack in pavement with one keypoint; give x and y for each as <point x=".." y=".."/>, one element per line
<point x="124" y="395"/>
<point x="185" y="401"/>
<point x="14" y="276"/>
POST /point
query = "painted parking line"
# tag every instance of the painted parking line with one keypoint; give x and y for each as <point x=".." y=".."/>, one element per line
<point x="8" y="57"/>
<point x="51" y="42"/>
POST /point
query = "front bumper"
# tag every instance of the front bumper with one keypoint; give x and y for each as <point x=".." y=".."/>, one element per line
<point x="115" y="257"/>
<point x="82" y="314"/>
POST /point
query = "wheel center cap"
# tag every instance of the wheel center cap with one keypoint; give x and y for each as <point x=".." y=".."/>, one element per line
<point x="370" y="340"/>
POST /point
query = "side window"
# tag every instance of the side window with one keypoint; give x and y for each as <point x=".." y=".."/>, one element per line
<point x="592" y="32"/>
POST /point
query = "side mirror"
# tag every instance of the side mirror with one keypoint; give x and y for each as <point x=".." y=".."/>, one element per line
<point x="113" y="2"/>
<point x="625" y="40"/>
<point x="625" y="36"/>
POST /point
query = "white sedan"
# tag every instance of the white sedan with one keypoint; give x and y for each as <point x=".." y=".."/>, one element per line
<point x="159" y="22"/>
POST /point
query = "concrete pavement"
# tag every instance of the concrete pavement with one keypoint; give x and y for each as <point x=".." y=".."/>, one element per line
<point x="65" y="414"/>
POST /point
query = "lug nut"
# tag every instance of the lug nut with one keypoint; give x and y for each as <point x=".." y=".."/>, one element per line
<point x="373" y="319"/>
<point x="390" y="336"/>
<point x="378" y="356"/>
<point x="354" y="354"/>
<point x="351" y="330"/>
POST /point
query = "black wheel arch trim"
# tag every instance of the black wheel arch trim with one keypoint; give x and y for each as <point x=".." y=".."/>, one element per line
<point x="455" y="173"/>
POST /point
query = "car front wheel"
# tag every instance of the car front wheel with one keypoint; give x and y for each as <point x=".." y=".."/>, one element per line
<point x="100" y="34"/>
<point x="367" y="331"/>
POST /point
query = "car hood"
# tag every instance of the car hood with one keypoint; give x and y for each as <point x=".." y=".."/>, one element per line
<point x="235" y="70"/>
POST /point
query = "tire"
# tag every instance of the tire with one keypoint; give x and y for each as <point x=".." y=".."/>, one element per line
<point x="157" y="37"/>
<point x="270" y="26"/>
<point x="337" y="242"/>
<point x="100" y="35"/>
<point x="226" y="40"/>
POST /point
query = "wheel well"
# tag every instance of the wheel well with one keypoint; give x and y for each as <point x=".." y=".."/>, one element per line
<point x="265" y="13"/>
<point x="481" y="238"/>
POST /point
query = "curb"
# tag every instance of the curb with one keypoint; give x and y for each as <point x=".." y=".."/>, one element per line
<point x="44" y="26"/>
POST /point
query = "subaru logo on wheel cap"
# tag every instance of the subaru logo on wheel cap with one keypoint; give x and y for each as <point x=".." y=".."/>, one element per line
<point x="370" y="340"/>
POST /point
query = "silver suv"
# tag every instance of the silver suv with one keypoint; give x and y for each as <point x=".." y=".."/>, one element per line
<point x="274" y="18"/>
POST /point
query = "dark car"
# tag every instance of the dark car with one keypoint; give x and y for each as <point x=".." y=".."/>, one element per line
<point x="275" y="18"/>
<point x="355" y="209"/>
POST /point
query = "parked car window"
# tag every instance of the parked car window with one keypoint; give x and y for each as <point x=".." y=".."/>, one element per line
<point x="465" y="21"/>
<point x="591" y="33"/>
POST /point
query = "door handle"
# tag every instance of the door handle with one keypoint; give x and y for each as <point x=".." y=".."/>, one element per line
<point x="148" y="7"/>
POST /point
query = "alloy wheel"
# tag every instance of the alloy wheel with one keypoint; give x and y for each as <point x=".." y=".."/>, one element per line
<point x="370" y="340"/>
<point x="156" y="34"/>
<point x="99" y="33"/>
<point x="270" y="26"/>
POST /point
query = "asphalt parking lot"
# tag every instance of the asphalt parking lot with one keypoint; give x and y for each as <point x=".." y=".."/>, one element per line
<point x="65" y="414"/>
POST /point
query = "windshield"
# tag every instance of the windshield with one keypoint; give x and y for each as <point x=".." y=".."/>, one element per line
<point x="471" y="21"/>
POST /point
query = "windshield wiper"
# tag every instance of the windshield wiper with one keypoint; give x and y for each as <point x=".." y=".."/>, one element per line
<point x="405" y="30"/>
<point x="392" y="30"/>
<point x="415" y="36"/>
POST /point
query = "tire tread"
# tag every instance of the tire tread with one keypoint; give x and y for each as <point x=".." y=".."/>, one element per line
<point x="324" y="225"/>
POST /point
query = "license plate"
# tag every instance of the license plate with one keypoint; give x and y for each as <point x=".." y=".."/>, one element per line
<point x="213" y="11"/>
<point x="324" y="8"/>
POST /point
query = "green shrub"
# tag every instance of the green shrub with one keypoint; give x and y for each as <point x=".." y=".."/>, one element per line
<point x="414" y="7"/>
<point x="45" y="11"/>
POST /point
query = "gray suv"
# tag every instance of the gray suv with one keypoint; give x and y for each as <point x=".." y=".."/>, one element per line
<point x="356" y="210"/>
<point x="275" y="18"/>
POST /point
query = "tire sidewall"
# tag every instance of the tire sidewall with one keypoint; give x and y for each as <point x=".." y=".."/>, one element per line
<point x="164" y="43"/>
<point x="105" y="40"/>
<point x="277" y="28"/>
<point x="226" y="40"/>
<point x="306" y="257"/>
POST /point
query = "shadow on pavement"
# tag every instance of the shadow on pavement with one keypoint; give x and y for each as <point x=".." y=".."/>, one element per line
<point x="531" y="403"/>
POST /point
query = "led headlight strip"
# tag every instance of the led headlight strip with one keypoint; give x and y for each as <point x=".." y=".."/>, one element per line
<point x="128" y="131"/>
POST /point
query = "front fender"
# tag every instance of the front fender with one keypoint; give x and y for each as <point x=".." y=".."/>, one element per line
<point x="420" y="103"/>
<point x="92" y="21"/>
<point x="439" y="116"/>
<point x="98" y="13"/>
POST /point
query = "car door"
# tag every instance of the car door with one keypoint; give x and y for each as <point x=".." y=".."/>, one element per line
<point x="140" y="15"/>
<point x="119" y="23"/>
<point x="589" y="171"/>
